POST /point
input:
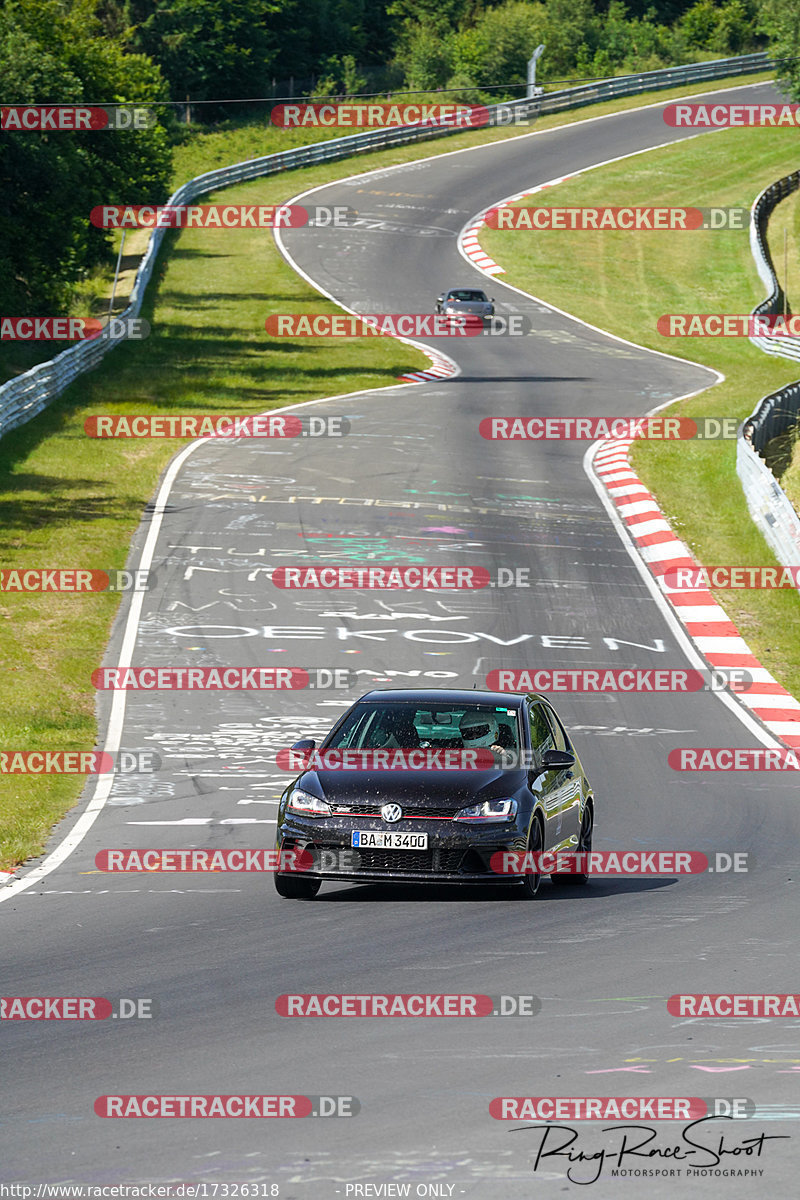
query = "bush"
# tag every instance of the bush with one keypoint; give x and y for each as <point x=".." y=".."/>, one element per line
<point x="49" y="182"/>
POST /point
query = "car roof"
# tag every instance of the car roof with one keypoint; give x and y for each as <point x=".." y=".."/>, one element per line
<point x="436" y="696"/>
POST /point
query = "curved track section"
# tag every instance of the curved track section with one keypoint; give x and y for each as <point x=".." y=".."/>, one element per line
<point x="413" y="483"/>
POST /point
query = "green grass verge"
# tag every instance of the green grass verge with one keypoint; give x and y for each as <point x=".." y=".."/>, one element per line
<point x="206" y="148"/>
<point x="68" y="501"/>
<point x="637" y="277"/>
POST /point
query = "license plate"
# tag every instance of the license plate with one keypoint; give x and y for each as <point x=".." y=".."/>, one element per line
<point x="380" y="839"/>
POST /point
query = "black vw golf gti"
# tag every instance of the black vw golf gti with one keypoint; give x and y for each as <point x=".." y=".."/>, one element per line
<point x="433" y="786"/>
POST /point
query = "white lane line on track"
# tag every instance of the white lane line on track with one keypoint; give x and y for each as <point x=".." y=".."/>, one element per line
<point x="181" y="821"/>
<point x="468" y="240"/>
<point x="617" y="449"/>
<point x="608" y="443"/>
<point x="443" y="367"/>
<point x="15" y="885"/>
<point x="423" y="376"/>
<point x="212" y="821"/>
<point x="660" y="550"/>
<point x="707" y="623"/>
<point x="129" y="891"/>
<point x="685" y="641"/>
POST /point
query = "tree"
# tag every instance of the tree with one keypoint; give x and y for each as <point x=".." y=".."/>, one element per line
<point x="52" y="52"/>
<point x="781" y="23"/>
<point x="497" y="48"/>
<point x="210" y="49"/>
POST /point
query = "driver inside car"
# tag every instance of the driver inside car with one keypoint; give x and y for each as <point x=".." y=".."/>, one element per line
<point x="479" y="730"/>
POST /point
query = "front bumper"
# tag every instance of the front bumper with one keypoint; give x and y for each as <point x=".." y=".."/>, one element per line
<point x="456" y="853"/>
<point x="485" y="313"/>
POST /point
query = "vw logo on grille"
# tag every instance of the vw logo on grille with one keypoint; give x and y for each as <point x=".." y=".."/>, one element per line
<point x="391" y="813"/>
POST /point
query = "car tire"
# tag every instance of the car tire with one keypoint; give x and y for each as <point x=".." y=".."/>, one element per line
<point x="529" y="887"/>
<point x="292" y="888"/>
<point x="584" y="846"/>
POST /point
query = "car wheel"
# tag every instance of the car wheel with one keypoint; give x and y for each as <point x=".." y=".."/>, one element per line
<point x="292" y="888"/>
<point x="530" y="883"/>
<point x="584" y="846"/>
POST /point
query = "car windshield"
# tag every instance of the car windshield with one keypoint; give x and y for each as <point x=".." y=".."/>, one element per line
<point x="407" y="726"/>
<point x="464" y="294"/>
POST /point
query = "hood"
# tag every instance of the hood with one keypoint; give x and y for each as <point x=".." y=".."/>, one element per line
<point x="478" y="307"/>
<point x="446" y="790"/>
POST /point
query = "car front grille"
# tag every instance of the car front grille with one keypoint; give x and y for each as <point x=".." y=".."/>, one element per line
<point x="435" y="861"/>
<point x="409" y="810"/>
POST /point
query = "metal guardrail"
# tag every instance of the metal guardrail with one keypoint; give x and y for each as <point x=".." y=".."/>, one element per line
<point x="27" y="395"/>
<point x="769" y="505"/>
<point x="630" y="85"/>
<point x="760" y="213"/>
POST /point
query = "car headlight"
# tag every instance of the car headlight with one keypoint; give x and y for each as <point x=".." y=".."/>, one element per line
<point x="489" y="811"/>
<point x="308" y="805"/>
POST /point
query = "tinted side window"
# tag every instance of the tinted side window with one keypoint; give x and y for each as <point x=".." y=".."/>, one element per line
<point x="541" y="733"/>
<point x="354" y="729"/>
<point x="561" y="737"/>
<point x="560" y="741"/>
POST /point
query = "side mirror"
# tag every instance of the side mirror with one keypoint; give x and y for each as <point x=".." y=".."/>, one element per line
<point x="439" y="299"/>
<point x="558" y="760"/>
<point x="304" y="744"/>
